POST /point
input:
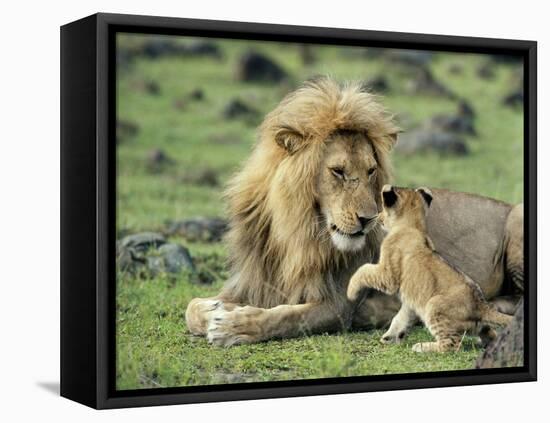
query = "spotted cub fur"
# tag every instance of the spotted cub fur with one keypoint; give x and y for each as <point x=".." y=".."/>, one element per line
<point x="445" y="299"/>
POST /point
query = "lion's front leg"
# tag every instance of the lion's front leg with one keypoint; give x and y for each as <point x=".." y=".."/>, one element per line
<point x="247" y="325"/>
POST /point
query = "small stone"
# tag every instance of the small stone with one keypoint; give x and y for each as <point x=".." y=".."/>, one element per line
<point x="306" y="54"/>
<point x="486" y="70"/>
<point x="238" y="109"/>
<point x="205" y="177"/>
<point x="256" y="67"/>
<point x="424" y="140"/>
<point x="203" y="48"/>
<point x="157" y="159"/>
<point x="456" y="69"/>
<point x="514" y="99"/>
<point x="419" y="58"/>
<point x="378" y="84"/>
<point x="460" y="123"/>
<point x="125" y="130"/>
<point x="424" y="83"/>
<point x="147" y="86"/>
<point x="199" y="229"/>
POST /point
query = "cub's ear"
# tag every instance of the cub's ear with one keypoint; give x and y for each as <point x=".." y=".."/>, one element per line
<point x="426" y="195"/>
<point x="389" y="196"/>
<point x="289" y="139"/>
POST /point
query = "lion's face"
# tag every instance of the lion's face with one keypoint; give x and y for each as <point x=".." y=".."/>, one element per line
<point x="348" y="189"/>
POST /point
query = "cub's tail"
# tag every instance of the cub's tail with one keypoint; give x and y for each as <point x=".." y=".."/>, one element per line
<point x="490" y="314"/>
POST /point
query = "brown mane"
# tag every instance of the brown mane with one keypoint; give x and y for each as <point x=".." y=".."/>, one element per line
<point x="277" y="253"/>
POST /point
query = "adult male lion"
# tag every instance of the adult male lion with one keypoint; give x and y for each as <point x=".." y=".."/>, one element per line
<point x="302" y="220"/>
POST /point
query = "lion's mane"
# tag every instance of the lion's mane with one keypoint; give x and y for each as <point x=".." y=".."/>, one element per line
<point x="277" y="252"/>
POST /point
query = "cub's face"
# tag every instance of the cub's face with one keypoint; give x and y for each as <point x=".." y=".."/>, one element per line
<point x="403" y="204"/>
<point x="348" y="185"/>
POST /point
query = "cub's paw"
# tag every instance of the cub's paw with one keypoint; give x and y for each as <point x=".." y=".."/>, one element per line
<point x="355" y="286"/>
<point x="242" y="325"/>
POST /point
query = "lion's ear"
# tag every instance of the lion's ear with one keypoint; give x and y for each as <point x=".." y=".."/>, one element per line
<point x="389" y="196"/>
<point x="426" y="195"/>
<point x="393" y="137"/>
<point x="289" y="139"/>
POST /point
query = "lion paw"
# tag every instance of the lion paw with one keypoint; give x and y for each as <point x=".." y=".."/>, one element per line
<point x="198" y="314"/>
<point x="235" y="327"/>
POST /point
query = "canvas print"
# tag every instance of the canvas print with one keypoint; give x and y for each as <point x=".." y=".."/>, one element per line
<point x="290" y="211"/>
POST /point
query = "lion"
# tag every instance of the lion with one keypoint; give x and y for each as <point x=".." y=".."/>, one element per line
<point x="446" y="300"/>
<point x="302" y="220"/>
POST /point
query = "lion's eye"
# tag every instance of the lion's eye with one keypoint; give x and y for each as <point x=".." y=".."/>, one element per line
<point x="338" y="172"/>
<point x="371" y="171"/>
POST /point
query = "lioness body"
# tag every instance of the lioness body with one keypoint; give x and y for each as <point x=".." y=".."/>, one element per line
<point x="446" y="300"/>
<point x="301" y="223"/>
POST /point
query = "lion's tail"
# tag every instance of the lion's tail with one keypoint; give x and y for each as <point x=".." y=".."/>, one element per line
<point x="490" y="314"/>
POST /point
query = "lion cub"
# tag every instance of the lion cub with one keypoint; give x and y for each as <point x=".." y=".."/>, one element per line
<point x="445" y="299"/>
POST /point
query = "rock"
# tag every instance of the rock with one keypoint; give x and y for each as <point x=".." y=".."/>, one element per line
<point x="157" y="160"/>
<point x="419" y="58"/>
<point x="176" y="258"/>
<point x="205" y="177"/>
<point x="147" y="86"/>
<point x="199" y="229"/>
<point x="143" y="241"/>
<point x="128" y="260"/>
<point x="125" y="129"/>
<point x="237" y="109"/>
<point x="255" y="67"/>
<point x="148" y="253"/>
<point x="506" y="59"/>
<point x="424" y="140"/>
<point x="486" y="70"/>
<point x="424" y="83"/>
<point x="170" y="258"/>
<point x="158" y="47"/>
<point x="507" y="350"/>
<point x="161" y="47"/>
<point x="514" y="99"/>
<point x="203" y="48"/>
<point x="460" y="123"/>
<point x="466" y="109"/>
<point x="195" y="95"/>
<point x="378" y="84"/>
<point x="456" y="69"/>
<point x="306" y="54"/>
<point x="132" y="250"/>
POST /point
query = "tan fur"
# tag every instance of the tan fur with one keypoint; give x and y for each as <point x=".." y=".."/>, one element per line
<point x="445" y="299"/>
<point x="274" y="241"/>
<point x="300" y="223"/>
<point x="279" y="245"/>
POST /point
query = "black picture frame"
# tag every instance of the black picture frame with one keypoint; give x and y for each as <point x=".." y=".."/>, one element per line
<point x="88" y="209"/>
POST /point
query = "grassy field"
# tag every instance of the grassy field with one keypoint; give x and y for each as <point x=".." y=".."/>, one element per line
<point x="153" y="346"/>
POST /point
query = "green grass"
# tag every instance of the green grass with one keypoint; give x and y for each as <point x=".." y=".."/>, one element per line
<point x="153" y="346"/>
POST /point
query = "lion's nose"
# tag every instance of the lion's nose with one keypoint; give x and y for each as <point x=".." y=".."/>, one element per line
<point x="364" y="221"/>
